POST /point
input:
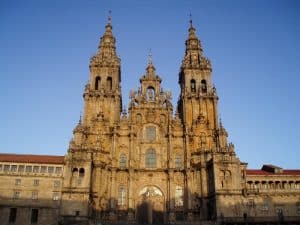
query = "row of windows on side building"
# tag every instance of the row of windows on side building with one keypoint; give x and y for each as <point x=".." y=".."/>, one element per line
<point x="17" y="194"/>
<point x="30" y="169"/>
<point x="36" y="182"/>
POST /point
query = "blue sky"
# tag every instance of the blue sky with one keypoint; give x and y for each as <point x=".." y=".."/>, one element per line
<point x="253" y="46"/>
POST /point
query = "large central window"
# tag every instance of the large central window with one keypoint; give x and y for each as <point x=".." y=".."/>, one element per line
<point x="122" y="162"/>
<point x="151" y="133"/>
<point x="150" y="159"/>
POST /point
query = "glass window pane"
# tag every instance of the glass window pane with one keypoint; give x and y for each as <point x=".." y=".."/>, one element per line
<point x="43" y="169"/>
<point x="50" y="169"/>
<point x="36" y="169"/>
<point x="21" y="168"/>
<point x="122" y="196"/>
<point x="123" y="160"/>
<point x="16" y="194"/>
<point x="34" y="195"/>
<point x="178" y="196"/>
<point x="6" y="168"/>
<point x="58" y="170"/>
<point x="18" y="182"/>
<point x="36" y="182"/>
<point x="151" y="133"/>
<point x="55" y="196"/>
<point x="13" y="168"/>
<point x="150" y="160"/>
<point x="178" y="162"/>
<point x="28" y="169"/>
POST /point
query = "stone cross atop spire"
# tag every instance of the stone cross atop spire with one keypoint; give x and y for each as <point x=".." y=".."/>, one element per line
<point x="106" y="55"/>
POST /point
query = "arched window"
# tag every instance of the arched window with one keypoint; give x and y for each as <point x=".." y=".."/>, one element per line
<point x="75" y="177"/>
<point x="150" y="94"/>
<point x="81" y="172"/>
<point x="178" y="162"/>
<point x="75" y="172"/>
<point x="162" y="118"/>
<point x="97" y="83"/>
<point x="138" y="118"/>
<point x="150" y="159"/>
<point x="109" y="84"/>
<point x="193" y="85"/>
<point x="123" y="160"/>
<point x="121" y="196"/>
<point x="203" y="86"/>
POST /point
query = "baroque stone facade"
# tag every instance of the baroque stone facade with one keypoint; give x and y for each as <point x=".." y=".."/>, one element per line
<point x="153" y="164"/>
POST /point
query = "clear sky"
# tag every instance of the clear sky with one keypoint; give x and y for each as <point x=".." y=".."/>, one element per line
<point x="254" y="48"/>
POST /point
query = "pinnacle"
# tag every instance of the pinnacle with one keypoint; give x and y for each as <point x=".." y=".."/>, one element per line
<point x="193" y="53"/>
<point x="150" y="70"/>
<point x="109" y="18"/>
<point x="106" y="54"/>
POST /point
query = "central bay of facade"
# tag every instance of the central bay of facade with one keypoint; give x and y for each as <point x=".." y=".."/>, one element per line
<point x="151" y="163"/>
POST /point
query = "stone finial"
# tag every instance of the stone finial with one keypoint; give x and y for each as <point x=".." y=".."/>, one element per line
<point x="191" y="20"/>
<point x="109" y="17"/>
<point x="220" y="122"/>
<point x="150" y="57"/>
<point x="79" y="122"/>
<point x="150" y="70"/>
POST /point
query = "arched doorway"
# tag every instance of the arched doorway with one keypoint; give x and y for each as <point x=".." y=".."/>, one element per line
<point x="150" y="206"/>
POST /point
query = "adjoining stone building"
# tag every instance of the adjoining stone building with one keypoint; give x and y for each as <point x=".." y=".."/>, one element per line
<point x="149" y="164"/>
<point x="30" y="189"/>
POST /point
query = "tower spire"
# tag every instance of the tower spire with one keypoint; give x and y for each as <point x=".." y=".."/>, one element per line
<point x="194" y="58"/>
<point x="106" y="54"/>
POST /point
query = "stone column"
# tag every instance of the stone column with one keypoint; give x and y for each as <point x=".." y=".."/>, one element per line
<point x="171" y="197"/>
<point x="203" y="177"/>
<point x="112" y="195"/>
<point x="130" y="216"/>
<point x="189" y="195"/>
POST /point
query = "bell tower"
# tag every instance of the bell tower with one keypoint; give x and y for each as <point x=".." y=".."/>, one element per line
<point x="102" y="95"/>
<point x="198" y="99"/>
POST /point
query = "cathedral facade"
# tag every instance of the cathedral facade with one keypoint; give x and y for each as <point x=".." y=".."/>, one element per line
<point x="154" y="163"/>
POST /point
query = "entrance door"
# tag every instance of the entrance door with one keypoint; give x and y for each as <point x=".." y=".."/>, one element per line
<point x="150" y="206"/>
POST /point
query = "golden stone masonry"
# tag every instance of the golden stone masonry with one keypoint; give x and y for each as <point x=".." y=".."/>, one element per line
<point x="149" y="164"/>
